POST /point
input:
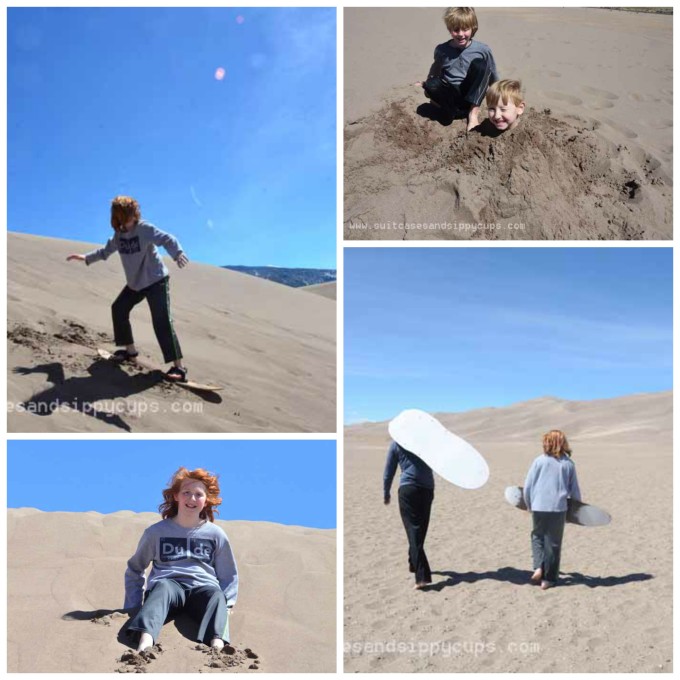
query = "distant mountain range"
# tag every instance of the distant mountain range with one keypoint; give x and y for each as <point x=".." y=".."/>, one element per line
<point x="296" y="278"/>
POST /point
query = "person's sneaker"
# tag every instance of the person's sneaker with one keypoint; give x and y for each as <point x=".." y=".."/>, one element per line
<point x="121" y="355"/>
<point x="176" y="374"/>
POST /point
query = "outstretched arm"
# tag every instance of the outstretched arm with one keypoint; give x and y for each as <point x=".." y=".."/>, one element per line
<point x="134" y="574"/>
<point x="226" y="572"/>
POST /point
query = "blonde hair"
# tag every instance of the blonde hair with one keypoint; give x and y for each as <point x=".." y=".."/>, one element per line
<point x="555" y="444"/>
<point x="122" y="209"/>
<point x="504" y="91"/>
<point x="461" y="18"/>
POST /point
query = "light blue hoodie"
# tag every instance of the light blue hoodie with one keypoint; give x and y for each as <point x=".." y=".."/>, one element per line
<point x="550" y="481"/>
<point x="141" y="260"/>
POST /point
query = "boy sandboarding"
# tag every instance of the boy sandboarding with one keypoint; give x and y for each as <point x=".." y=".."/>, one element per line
<point x="147" y="278"/>
<point x="463" y="68"/>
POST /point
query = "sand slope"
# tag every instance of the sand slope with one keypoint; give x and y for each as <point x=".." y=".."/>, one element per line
<point x="597" y="166"/>
<point x="272" y="348"/>
<point x="613" y="613"/>
<point x="328" y="290"/>
<point x="65" y="579"/>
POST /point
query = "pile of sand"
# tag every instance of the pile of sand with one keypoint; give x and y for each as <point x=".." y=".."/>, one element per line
<point x="407" y="176"/>
<point x="65" y="590"/>
<point x="613" y="610"/>
<point x="271" y="347"/>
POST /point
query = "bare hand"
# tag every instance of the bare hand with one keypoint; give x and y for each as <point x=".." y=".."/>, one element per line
<point x="75" y="256"/>
<point x="182" y="260"/>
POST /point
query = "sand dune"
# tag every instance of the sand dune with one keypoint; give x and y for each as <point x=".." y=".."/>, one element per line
<point x="271" y="347"/>
<point x="591" y="159"/>
<point x="65" y="585"/>
<point x="328" y="290"/>
<point x="613" y="611"/>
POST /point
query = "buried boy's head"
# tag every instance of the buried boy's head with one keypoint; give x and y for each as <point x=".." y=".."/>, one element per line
<point x="505" y="104"/>
<point x="462" y="25"/>
<point x="198" y="489"/>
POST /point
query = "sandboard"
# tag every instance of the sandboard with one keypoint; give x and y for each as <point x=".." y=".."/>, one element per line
<point x="150" y="366"/>
<point x="447" y="454"/>
<point x="583" y="514"/>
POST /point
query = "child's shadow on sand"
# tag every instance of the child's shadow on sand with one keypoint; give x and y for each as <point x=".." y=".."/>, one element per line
<point x="521" y="577"/>
<point x="184" y="624"/>
<point x="107" y="381"/>
<point x="435" y="113"/>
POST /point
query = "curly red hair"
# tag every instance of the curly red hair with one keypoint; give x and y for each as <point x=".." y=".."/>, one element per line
<point x="122" y="209"/>
<point x="168" y="508"/>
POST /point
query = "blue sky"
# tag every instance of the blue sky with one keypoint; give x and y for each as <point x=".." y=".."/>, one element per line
<point x="126" y="101"/>
<point x="454" y="329"/>
<point x="288" y="482"/>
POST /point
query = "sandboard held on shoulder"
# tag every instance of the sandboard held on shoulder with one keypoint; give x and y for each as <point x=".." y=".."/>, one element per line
<point x="150" y="366"/>
<point x="583" y="514"/>
<point x="447" y="454"/>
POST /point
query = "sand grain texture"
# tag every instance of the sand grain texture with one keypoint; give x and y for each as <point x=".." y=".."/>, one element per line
<point x="613" y="612"/>
<point x="591" y="159"/>
<point x="65" y="584"/>
<point x="271" y="347"/>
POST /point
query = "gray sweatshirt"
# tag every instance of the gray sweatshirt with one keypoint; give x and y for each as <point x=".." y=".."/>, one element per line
<point x="141" y="260"/>
<point x="550" y="481"/>
<point x="414" y="470"/>
<point x="453" y="63"/>
<point x="195" y="557"/>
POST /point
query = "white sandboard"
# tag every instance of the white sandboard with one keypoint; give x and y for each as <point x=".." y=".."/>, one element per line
<point x="447" y="454"/>
<point x="583" y="514"/>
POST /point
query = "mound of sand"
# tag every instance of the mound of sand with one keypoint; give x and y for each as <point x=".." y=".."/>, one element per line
<point x="65" y="590"/>
<point x="612" y="612"/>
<point x="328" y="290"/>
<point x="271" y="347"/>
<point x="407" y="176"/>
<point x="598" y="166"/>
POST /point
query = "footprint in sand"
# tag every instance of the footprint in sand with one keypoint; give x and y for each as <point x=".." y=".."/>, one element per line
<point x="601" y="104"/>
<point x="230" y="657"/>
<point x="560" y="97"/>
<point x="599" y="93"/>
<point x="626" y="131"/>
<point x="137" y="662"/>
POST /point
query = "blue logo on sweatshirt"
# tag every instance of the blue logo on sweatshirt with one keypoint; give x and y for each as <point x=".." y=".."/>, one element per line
<point x="128" y="246"/>
<point x="174" y="549"/>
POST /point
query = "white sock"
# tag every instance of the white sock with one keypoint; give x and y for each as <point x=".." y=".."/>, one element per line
<point x="145" y="641"/>
<point x="217" y="643"/>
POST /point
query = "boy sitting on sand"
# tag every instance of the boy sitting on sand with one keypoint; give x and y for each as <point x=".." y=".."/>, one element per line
<point x="147" y="277"/>
<point x="193" y="565"/>
<point x="463" y="68"/>
<point x="505" y="104"/>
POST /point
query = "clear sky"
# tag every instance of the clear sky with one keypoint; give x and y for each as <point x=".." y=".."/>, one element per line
<point x="238" y="163"/>
<point x="454" y="329"/>
<point x="288" y="482"/>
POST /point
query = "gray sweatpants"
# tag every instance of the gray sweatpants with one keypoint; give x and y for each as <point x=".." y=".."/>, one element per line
<point x="546" y="542"/>
<point x="205" y="604"/>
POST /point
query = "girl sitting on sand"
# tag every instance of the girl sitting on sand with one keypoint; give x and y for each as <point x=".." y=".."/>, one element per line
<point x="551" y="480"/>
<point x="147" y="277"/>
<point x="193" y="566"/>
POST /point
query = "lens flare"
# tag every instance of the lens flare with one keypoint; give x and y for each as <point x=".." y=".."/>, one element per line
<point x="220" y="73"/>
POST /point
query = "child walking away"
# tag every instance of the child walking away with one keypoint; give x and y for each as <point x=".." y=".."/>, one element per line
<point x="463" y="68"/>
<point x="551" y="480"/>
<point x="416" y="492"/>
<point x="193" y="566"/>
<point x="147" y="278"/>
